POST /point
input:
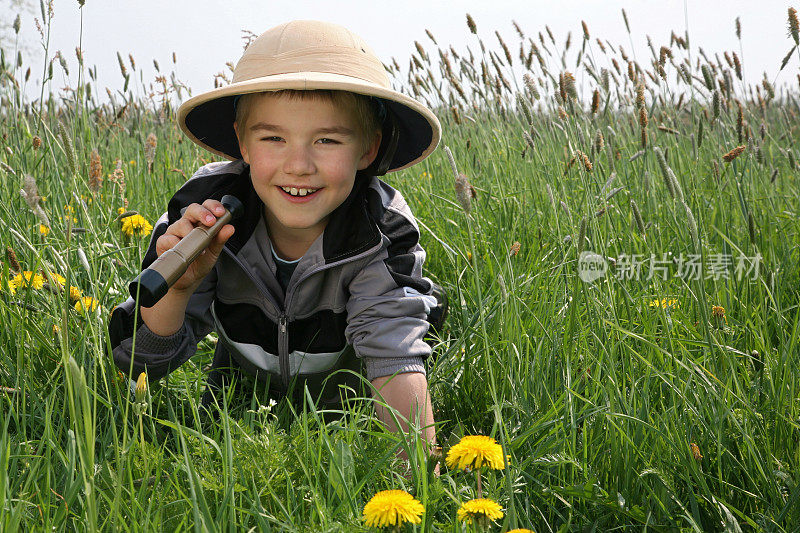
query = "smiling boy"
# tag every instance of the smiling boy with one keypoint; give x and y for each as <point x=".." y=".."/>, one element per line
<point x="323" y="272"/>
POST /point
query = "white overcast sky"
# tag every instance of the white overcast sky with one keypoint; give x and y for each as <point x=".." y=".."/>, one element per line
<point x="205" y="34"/>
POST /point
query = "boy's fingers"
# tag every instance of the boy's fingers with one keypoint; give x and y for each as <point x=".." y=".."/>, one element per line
<point x="197" y="213"/>
<point x="215" y="207"/>
<point x="166" y="242"/>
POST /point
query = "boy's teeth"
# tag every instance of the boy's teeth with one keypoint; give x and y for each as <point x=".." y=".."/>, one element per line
<point x="294" y="191"/>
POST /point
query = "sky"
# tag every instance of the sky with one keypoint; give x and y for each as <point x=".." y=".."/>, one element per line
<point x="205" y="34"/>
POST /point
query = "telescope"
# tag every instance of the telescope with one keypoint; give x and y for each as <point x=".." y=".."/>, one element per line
<point x="154" y="282"/>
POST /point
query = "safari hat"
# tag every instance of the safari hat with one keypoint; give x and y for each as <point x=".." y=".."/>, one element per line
<point x="306" y="55"/>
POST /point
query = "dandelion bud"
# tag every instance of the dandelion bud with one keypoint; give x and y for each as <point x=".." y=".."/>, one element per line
<point x="695" y="448"/>
<point x="141" y="388"/>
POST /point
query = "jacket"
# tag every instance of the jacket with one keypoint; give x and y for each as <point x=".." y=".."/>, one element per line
<point x="356" y="295"/>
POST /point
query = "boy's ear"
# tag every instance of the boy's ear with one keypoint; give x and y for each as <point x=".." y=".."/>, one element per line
<point x="242" y="146"/>
<point x="371" y="153"/>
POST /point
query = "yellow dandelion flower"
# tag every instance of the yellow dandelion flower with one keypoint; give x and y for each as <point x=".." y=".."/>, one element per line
<point x="6" y="285"/>
<point x="74" y="294"/>
<point x="120" y="210"/>
<point x="520" y="530"/>
<point x="43" y="230"/>
<point x="58" y="278"/>
<point x="27" y="279"/>
<point x="132" y="162"/>
<point x="86" y="305"/>
<point x="476" y="451"/>
<point x="480" y="509"/>
<point x="718" y="316"/>
<point x="665" y="303"/>
<point x="136" y="225"/>
<point x="392" y="508"/>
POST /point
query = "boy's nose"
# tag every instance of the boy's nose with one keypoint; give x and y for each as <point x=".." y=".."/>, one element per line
<point x="298" y="161"/>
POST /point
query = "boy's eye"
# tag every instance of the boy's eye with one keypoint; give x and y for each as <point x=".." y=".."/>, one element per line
<point x="276" y="138"/>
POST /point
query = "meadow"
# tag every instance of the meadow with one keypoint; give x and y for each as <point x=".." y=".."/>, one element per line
<point x="620" y="240"/>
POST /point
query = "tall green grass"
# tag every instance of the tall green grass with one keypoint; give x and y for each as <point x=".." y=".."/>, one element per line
<point x="596" y="395"/>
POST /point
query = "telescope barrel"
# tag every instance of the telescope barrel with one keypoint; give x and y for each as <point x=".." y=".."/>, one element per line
<point x="154" y="282"/>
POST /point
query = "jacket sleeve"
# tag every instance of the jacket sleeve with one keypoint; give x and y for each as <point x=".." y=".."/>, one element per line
<point x="135" y="347"/>
<point x="389" y="302"/>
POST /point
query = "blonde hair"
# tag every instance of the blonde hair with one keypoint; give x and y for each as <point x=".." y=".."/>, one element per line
<point x="365" y="108"/>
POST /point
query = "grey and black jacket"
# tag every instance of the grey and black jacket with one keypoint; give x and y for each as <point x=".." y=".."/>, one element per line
<point x="356" y="295"/>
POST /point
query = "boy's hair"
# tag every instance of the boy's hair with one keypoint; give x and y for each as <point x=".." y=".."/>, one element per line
<point x="364" y="107"/>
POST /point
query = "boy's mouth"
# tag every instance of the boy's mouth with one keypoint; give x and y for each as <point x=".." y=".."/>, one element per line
<point x="296" y="193"/>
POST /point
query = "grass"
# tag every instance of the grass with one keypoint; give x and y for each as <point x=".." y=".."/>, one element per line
<point x="615" y="414"/>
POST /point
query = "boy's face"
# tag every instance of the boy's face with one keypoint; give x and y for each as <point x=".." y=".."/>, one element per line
<point x="297" y="146"/>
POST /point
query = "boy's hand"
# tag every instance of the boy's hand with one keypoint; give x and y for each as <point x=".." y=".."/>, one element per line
<point x="194" y="216"/>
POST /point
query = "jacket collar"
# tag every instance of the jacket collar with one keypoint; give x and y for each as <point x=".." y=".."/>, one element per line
<point x="350" y="229"/>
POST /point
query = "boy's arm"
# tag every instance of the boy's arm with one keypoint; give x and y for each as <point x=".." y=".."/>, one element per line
<point x="168" y="344"/>
<point x="408" y="394"/>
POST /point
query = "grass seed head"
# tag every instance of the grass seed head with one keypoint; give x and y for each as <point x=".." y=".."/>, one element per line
<point x="95" y="171"/>
<point x="637" y="216"/>
<point x="69" y="148"/>
<point x="733" y="154"/>
<point x="794" y="26"/>
<point x="471" y="24"/>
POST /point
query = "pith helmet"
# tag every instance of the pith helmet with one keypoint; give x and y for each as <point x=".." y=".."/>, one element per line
<point x="306" y="55"/>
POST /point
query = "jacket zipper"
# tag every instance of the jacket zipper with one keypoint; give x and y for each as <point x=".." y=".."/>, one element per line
<point x="283" y="335"/>
<point x="283" y="350"/>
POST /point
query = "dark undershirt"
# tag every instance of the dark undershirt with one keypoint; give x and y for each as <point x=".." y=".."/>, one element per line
<point x="284" y="270"/>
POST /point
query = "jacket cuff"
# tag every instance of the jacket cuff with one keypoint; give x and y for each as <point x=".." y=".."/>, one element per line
<point x="147" y="341"/>
<point x="387" y="366"/>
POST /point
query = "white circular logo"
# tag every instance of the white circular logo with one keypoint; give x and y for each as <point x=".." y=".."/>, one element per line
<point x="591" y="266"/>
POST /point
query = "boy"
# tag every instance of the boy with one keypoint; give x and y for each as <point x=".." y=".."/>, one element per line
<point x="324" y="269"/>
